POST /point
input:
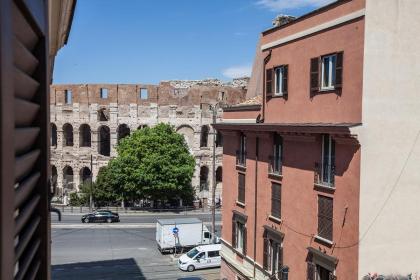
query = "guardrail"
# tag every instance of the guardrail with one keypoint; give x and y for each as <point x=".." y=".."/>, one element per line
<point x="85" y="209"/>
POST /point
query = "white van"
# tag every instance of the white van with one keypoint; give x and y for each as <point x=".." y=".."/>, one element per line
<point x="203" y="256"/>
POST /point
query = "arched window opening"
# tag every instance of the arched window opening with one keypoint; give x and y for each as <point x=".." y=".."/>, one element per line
<point x="68" y="134"/>
<point x="103" y="115"/>
<point x="104" y="140"/>
<point x="53" y="135"/>
<point x="122" y="131"/>
<point x="188" y="133"/>
<point x="54" y="179"/>
<point x="84" y="136"/>
<point x="85" y="176"/>
<point x="219" y="139"/>
<point x="204" y="174"/>
<point x="204" y="135"/>
<point x="219" y="174"/>
<point x="68" y="178"/>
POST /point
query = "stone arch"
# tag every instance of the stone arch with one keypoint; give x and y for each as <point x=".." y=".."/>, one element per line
<point x="219" y="174"/>
<point x="122" y="131"/>
<point x="204" y="135"/>
<point x="68" y="177"/>
<point x="85" y="176"/>
<point x="85" y="135"/>
<point x="188" y="133"/>
<point x="68" y="134"/>
<point x="53" y="135"/>
<point x="204" y="174"/>
<point x="104" y="140"/>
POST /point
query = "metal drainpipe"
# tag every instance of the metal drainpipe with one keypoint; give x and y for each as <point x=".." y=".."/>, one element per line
<point x="257" y="141"/>
<point x="266" y="60"/>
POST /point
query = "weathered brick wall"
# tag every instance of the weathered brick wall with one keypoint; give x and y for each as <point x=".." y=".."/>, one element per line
<point x="184" y="105"/>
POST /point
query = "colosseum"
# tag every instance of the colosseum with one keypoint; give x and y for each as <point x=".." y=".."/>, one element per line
<point x="88" y="120"/>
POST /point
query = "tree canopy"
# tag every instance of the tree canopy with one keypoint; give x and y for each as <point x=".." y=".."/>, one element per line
<point x="152" y="163"/>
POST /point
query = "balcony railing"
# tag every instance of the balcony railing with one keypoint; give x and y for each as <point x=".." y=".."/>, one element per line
<point x="241" y="158"/>
<point x="275" y="166"/>
<point x="324" y="175"/>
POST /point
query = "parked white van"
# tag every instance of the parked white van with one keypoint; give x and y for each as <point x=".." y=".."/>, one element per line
<point x="203" y="256"/>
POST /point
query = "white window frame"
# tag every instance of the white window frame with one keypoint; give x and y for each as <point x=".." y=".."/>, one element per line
<point x="278" y="80"/>
<point x="274" y="259"/>
<point x="332" y="64"/>
<point x="239" y="233"/>
<point x="104" y="93"/>
<point x="68" y="96"/>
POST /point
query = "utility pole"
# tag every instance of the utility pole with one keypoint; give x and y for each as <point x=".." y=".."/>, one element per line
<point x="91" y="184"/>
<point x="213" y="191"/>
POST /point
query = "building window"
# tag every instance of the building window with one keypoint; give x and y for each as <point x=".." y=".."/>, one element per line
<point x="143" y="94"/>
<point x="219" y="139"/>
<point x="53" y="135"/>
<point x="68" y="96"/>
<point x="68" y="134"/>
<point x="327" y="72"/>
<point x="104" y="93"/>
<point x="241" y="154"/>
<point x="276" y="200"/>
<point x="104" y="141"/>
<point x="122" y="131"/>
<point x="328" y="160"/>
<point x="103" y="115"/>
<point x="204" y="173"/>
<point x="219" y="174"/>
<point x="280" y="75"/>
<point x="241" y="188"/>
<point x="325" y="217"/>
<point x="204" y="136"/>
<point x="318" y="272"/>
<point x="277" y="157"/>
<point x="84" y="136"/>
<point x="273" y="257"/>
<point x="239" y="236"/>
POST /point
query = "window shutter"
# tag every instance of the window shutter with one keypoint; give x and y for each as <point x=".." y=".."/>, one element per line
<point x="311" y="271"/>
<point x="339" y="71"/>
<point x="269" y="82"/>
<point x="325" y="217"/>
<point x="285" y="79"/>
<point x="233" y="233"/>
<point x="276" y="200"/>
<point x="280" y="260"/>
<point x="266" y="254"/>
<point x="24" y="127"/>
<point x="315" y="62"/>
<point x="244" y="239"/>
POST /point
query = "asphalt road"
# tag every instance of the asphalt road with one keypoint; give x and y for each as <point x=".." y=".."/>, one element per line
<point x="103" y="252"/>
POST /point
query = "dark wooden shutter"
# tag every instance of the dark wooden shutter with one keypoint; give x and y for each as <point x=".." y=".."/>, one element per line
<point x="280" y="259"/>
<point x="244" y="239"/>
<point x="325" y="217"/>
<point x="311" y="269"/>
<point x="266" y="253"/>
<point x="24" y="124"/>
<point x="315" y="62"/>
<point x="285" y="79"/>
<point x="241" y="187"/>
<point x="269" y="82"/>
<point x="233" y="233"/>
<point x="339" y="71"/>
<point x="276" y="200"/>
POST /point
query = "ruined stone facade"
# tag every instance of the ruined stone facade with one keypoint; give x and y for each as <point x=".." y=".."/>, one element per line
<point x="88" y="120"/>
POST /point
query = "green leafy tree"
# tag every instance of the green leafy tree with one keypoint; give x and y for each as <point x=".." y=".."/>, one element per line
<point x="152" y="163"/>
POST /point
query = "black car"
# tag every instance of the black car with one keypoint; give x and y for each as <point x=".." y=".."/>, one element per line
<point x="101" y="216"/>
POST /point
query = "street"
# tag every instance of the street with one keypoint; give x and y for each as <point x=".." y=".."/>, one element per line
<point x="125" y="250"/>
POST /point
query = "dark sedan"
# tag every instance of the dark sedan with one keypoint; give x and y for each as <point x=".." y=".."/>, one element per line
<point x="104" y="216"/>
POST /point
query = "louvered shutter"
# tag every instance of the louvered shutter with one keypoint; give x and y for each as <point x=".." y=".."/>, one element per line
<point x="26" y="125"/>
<point x="285" y="81"/>
<point x="280" y="258"/>
<point x="311" y="269"/>
<point x="339" y="71"/>
<point x="325" y="215"/>
<point x="276" y="200"/>
<point x="266" y="252"/>
<point x="315" y="62"/>
<point x="233" y="233"/>
<point x="269" y="82"/>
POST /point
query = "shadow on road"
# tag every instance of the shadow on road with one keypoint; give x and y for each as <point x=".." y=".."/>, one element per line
<point x="122" y="269"/>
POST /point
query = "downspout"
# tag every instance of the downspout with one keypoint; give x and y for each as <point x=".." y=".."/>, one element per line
<point x="266" y="60"/>
<point x="257" y="141"/>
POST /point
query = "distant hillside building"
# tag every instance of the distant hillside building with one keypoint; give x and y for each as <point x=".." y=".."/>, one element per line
<point x="88" y="120"/>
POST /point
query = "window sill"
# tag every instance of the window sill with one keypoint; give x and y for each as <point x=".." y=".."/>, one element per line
<point x="275" y="219"/>
<point x="240" y="167"/>
<point x="241" y="204"/>
<point x="325" y="186"/>
<point x="324" y="240"/>
<point x="276" y="176"/>
<point x="327" y="89"/>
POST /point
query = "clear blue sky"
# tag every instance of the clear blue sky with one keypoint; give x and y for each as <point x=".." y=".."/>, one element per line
<point x="146" y="41"/>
